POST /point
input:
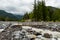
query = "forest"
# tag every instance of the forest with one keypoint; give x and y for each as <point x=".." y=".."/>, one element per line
<point x="41" y="12"/>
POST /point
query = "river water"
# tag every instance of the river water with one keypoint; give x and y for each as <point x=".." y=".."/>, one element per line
<point x="55" y="34"/>
<point x="27" y="35"/>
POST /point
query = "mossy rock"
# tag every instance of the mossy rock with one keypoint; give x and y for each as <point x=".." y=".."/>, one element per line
<point x="46" y="35"/>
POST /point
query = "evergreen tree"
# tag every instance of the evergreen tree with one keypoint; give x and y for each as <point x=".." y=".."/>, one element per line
<point x="26" y="16"/>
<point x="39" y="11"/>
<point x="44" y="14"/>
<point x="51" y="12"/>
<point x="35" y="12"/>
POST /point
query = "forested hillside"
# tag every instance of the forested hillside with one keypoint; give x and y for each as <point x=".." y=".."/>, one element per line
<point x="4" y="16"/>
<point x="41" y="12"/>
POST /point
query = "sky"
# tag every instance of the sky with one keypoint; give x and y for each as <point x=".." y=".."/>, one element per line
<point x="23" y="6"/>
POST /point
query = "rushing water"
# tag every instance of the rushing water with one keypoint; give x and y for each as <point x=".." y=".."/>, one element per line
<point x="25" y="35"/>
<point x="18" y="34"/>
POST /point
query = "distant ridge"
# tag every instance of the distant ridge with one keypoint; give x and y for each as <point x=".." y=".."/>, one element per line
<point x="9" y="16"/>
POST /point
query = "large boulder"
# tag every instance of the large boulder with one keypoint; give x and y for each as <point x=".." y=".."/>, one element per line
<point x="46" y="35"/>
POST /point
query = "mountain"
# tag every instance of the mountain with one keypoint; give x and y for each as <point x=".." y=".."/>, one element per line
<point x="53" y="8"/>
<point x="19" y="16"/>
<point x="8" y="16"/>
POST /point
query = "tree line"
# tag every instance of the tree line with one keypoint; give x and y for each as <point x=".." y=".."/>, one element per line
<point x="41" y="12"/>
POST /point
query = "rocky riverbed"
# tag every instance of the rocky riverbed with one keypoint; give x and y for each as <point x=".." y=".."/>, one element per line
<point x="17" y="32"/>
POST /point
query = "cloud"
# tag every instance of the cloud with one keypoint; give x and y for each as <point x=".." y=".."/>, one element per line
<point x="22" y="6"/>
<point x="54" y="3"/>
<point x="16" y="6"/>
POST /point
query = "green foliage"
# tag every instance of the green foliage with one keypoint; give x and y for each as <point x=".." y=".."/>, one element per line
<point x="56" y="15"/>
<point x="26" y="16"/>
<point x="41" y="12"/>
<point x="44" y="11"/>
<point x="22" y="20"/>
<point x="31" y="15"/>
<point x="4" y="16"/>
<point x="35" y="12"/>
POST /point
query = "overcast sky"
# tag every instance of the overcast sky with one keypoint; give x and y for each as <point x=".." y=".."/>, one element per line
<point x="22" y="6"/>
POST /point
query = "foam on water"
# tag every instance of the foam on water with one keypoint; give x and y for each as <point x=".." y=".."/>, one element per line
<point x="1" y="30"/>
